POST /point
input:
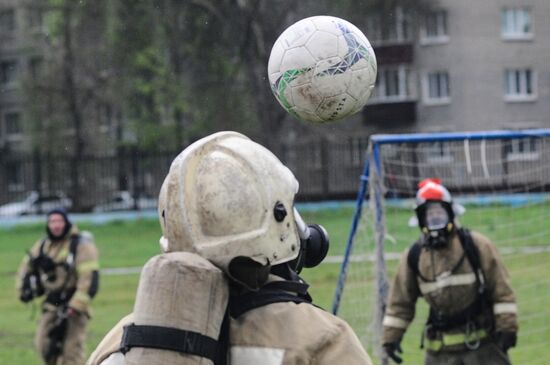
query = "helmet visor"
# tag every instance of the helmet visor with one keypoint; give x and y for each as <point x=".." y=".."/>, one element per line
<point x="436" y="217"/>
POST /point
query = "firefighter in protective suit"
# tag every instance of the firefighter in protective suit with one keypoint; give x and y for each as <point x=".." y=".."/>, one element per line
<point x="473" y="313"/>
<point x="229" y="200"/>
<point x="64" y="268"/>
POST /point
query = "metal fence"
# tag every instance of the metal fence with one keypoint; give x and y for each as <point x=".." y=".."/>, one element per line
<point x="325" y="169"/>
<point x="132" y="179"/>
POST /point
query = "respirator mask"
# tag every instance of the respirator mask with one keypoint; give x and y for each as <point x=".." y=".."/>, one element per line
<point x="435" y="219"/>
<point x="314" y="243"/>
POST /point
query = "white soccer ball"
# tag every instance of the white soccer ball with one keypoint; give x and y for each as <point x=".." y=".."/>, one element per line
<point x="322" y="69"/>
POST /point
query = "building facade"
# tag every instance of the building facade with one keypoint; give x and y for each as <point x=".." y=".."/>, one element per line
<point x="18" y="55"/>
<point x="463" y="66"/>
<point x="22" y="40"/>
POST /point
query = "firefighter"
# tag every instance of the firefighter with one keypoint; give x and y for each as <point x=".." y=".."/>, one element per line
<point x="63" y="267"/>
<point x="460" y="274"/>
<point x="231" y="201"/>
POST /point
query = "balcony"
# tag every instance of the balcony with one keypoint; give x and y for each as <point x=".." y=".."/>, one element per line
<point x="392" y="54"/>
<point x="393" y="115"/>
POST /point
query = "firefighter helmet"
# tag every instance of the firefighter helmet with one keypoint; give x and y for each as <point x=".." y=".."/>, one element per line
<point x="227" y="197"/>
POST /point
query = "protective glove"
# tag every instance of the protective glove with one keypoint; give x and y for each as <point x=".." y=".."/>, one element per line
<point x="392" y="348"/>
<point x="26" y="295"/>
<point x="505" y="340"/>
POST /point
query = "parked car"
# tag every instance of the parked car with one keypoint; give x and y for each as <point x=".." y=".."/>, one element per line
<point x="123" y="200"/>
<point x="35" y="203"/>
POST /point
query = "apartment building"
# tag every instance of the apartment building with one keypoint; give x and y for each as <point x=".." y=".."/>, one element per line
<point x="465" y="65"/>
<point x="22" y="37"/>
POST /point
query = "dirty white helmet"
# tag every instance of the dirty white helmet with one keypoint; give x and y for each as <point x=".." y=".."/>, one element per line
<point x="227" y="197"/>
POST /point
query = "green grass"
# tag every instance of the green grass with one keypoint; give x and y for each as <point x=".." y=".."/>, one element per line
<point x="522" y="227"/>
<point x="129" y="244"/>
<point x="121" y="244"/>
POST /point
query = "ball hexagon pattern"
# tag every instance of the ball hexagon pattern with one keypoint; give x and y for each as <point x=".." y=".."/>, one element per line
<point x="322" y="69"/>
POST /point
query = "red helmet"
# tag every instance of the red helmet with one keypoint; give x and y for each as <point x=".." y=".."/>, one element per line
<point x="431" y="192"/>
<point x="431" y="189"/>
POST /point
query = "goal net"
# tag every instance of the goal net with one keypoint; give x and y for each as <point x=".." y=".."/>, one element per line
<point x="503" y="180"/>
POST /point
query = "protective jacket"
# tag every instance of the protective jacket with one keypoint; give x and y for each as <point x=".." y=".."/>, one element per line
<point x="447" y="282"/>
<point x="282" y="333"/>
<point x="70" y="278"/>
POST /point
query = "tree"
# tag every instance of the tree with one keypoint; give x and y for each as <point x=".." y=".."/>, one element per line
<point x="66" y="98"/>
<point x="166" y="72"/>
<point x="224" y="46"/>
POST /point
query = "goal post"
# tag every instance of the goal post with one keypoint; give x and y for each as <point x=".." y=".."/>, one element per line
<point x="503" y="179"/>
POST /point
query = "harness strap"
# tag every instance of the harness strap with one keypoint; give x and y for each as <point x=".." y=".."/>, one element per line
<point x="445" y="323"/>
<point x="167" y="338"/>
<point x="71" y="258"/>
<point x="41" y="251"/>
<point x="75" y="240"/>
<point x="299" y="288"/>
<point x="448" y="339"/>
<point x="471" y="251"/>
<point x="63" y="295"/>
<point x="440" y="322"/>
<point x="60" y="297"/>
<point x="413" y="259"/>
<point x="241" y="304"/>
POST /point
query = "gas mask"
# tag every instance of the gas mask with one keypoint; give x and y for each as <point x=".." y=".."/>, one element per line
<point x="314" y="243"/>
<point x="435" y="219"/>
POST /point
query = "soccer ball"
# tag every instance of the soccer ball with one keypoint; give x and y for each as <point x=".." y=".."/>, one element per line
<point x="322" y="69"/>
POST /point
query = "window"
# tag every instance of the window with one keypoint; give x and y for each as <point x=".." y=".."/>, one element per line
<point x="35" y="67"/>
<point x="13" y="125"/>
<point x="8" y="72"/>
<point x="14" y="172"/>
<point x="439" y="152"/>
<point x="516" y="23"/>
<point x="437" y="88"/>
<point x="7" y="20"/>
<point x="524" y="149"/>
<point x="35" y="18"/>
<point x="392" y="84"/>
<point x="434" y="28"/>
<point x="394" y="29"/>
<point x="519" y="85"/>
<point x="105" y="118"/>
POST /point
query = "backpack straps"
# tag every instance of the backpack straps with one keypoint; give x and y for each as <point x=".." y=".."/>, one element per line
<point x="167" y="338"/>
<point x="41" y="250"/>
<point x="413" y="257"/>
<point x="73" y="247"/>
<point x="64" y="294"/>
<point x="472" y="253"/>
<point x="194" y="343"/>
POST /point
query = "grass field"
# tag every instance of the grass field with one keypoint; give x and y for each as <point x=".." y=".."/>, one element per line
<point x="130" y="244"/>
